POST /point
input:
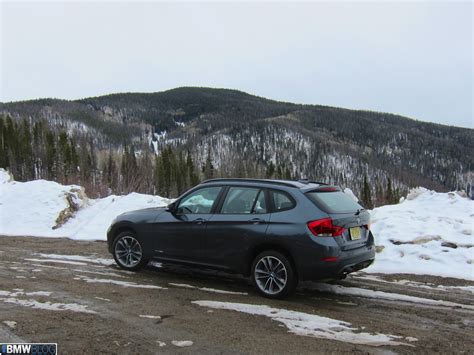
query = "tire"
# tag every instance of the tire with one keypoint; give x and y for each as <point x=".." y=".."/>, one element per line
<point x="273" y="275"/>
<point x="128" y="251"/>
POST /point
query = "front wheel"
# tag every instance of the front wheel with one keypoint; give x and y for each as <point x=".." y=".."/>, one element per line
<point x="128" y="252"/>
<point x="273" y="275"/>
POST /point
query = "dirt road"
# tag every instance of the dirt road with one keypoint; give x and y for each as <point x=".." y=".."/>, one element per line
<point x="69" y="292"/>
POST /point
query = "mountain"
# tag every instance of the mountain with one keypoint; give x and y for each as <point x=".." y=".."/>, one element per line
<point x="238" y="134"/>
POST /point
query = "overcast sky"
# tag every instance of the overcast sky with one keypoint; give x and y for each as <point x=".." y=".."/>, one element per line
<point x="414" y="59"/>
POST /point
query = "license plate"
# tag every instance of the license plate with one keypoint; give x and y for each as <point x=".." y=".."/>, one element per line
<point x="355" y="233"/>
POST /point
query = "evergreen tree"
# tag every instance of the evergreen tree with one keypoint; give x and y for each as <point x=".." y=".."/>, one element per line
<point x="193" y="178"/>
<point x="270" y="172"/>
<point x="389" y="194"/>
<point x="208" y="168"/>
<point x="366" y="194"/>
<point x="51" y="156"/>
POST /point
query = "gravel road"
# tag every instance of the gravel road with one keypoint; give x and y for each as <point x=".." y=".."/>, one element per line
<point x="71" y="292"/>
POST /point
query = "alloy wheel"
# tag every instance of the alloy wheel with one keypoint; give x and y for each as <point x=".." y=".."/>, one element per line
<point x="271" y="275"/>
<point x="128" y="251"/>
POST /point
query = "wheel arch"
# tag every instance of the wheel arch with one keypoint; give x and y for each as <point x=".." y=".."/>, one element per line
<point x="269" y="246"/>
<point x="116" y="230"/>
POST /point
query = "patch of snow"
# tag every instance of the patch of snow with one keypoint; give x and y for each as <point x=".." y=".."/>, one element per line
<point x="113" y="274"/>
<point x="161" y="343"/>
<point x="49" y="266"/>
<point x="182" y="343"/>
<point x="305" y="324"/>
<point x="182" y="285"/>
<point x="55" y="261"/>
<point x="102" y="299"/>
<point x="362" y="292"/>
<point x="222" y="291"/>
<point x="10" y="324"/>
<point x="89" y="259"/>
<point x="39" y="293"/>
<point x="149" y="316"/>
<point x="207" y="289"/>
<point x="155" y="264"/>
<point x="12" y="298"/>
<point x="120" y="283"/>
<point x="415" y="284"/>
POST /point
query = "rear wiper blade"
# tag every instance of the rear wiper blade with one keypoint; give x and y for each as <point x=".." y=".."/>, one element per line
<point x="359" y="211"/>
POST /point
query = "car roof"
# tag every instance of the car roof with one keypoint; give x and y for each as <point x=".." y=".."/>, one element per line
<point x="299" y="184"/>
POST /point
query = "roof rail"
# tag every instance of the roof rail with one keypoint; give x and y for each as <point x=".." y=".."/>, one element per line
<point x="266" y="181"/>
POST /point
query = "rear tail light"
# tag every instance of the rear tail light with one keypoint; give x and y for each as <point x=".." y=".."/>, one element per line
<point x="325" y="228"/>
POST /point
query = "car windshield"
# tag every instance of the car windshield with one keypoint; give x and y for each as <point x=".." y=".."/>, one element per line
<point x="334" y="201"/>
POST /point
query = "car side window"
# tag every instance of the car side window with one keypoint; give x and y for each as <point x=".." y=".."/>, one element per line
<point x="282" y="201"/>
<point x="260" y="204"/>
<point x="239" y="200"/>
<point x="199" y="201"/>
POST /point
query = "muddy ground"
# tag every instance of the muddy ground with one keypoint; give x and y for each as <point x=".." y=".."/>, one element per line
<point x="88" y="304"/>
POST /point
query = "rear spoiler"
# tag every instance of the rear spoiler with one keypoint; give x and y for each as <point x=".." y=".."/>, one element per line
<point x="325" y="189"/>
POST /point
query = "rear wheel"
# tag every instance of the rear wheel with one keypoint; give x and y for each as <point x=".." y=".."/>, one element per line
<point x="128" y="252"/>
<point x="273" y="275"/>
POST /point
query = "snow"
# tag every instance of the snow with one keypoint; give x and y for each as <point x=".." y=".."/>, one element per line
<point x="306" y="324"/>
<point x="362" y="292"/>
<point x="91" y="223"/>
<point x="207" y="289"/>
<point x="412" y="234"/>
<point x="149" y="316"/>
<point x="181" y="343"/>
<point x="12" y="298"/>
<point x="10" y="323"/>
<point x="120" y="283"/>
<point x="411" y="283"/>
<point x="55" y="261"/>
<point x="100" y="261"/>
<point x="102" y="299"/>
<point x="31" y="209"/>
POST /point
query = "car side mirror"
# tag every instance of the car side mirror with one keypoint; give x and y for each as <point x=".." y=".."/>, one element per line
<point x="171" y="207"/>
<point x="178" y="211"/>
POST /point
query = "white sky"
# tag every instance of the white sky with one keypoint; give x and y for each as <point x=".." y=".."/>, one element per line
<point x="410" y="58"/>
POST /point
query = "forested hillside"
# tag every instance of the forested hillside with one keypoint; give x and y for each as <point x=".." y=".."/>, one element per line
<point x="162" y="143"/>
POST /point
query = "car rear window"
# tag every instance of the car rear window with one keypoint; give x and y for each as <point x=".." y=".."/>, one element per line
<point x="334" y="201"/>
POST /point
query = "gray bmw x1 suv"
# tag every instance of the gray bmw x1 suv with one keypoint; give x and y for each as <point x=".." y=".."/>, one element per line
<point x="275" y="231"/>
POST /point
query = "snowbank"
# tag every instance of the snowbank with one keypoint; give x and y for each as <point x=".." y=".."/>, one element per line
<point x="32" y="209"/>
<point x="427" y="233"/>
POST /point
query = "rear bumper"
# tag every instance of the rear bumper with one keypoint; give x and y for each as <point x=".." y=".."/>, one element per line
<point x="347" y="262"/>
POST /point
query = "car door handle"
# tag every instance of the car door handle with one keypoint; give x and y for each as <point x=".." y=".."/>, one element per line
<point x="199" y="221"/>
<point x="256" y="220"/>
